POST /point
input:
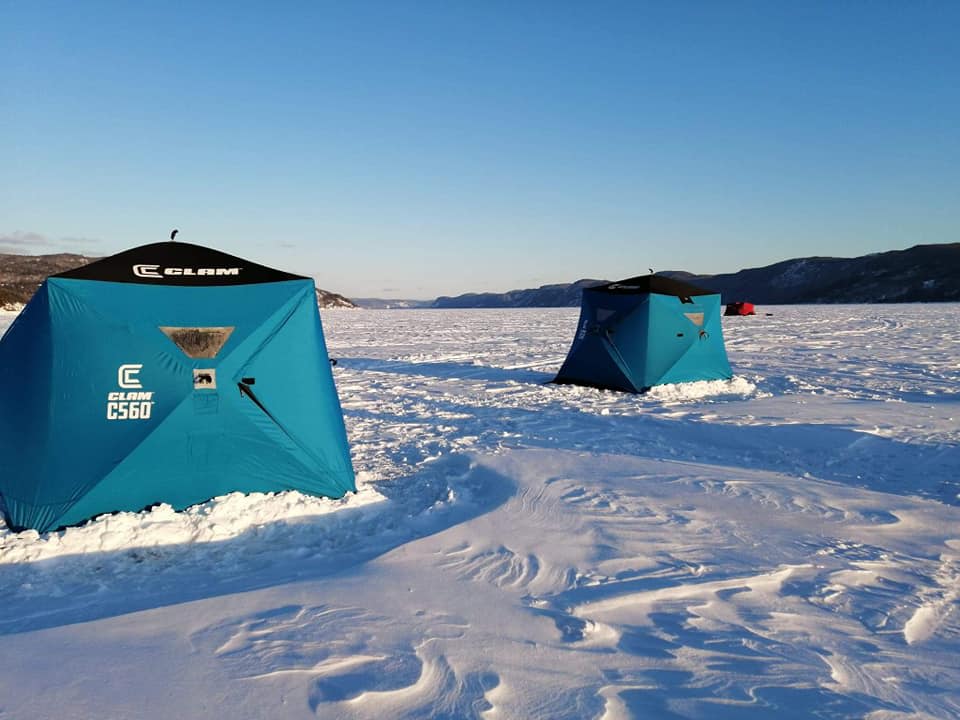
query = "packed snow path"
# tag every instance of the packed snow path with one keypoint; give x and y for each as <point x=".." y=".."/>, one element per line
<point x="784" y="543"/>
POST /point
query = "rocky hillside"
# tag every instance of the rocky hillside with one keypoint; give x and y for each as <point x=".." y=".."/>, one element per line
<point x="21" y="275"/>
<point x="924" y="273"/>
<point x="327" y="299"/>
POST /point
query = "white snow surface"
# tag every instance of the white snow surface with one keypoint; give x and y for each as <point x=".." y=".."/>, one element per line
<point x="785" y="544"/>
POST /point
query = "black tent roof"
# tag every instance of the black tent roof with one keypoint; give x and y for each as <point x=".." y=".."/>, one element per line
<point x="657" y="284"/>
<point x="176" y="263"/>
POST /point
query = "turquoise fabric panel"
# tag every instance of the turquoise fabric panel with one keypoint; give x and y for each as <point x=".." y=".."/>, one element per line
<point x="26" y="358"/>
<point x="705" y="357"/>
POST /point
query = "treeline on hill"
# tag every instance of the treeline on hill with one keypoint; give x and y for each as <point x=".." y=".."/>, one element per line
<point x="21" y="275"/>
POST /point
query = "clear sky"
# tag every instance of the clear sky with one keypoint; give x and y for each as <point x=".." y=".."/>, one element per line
<point x="411" y="149"/>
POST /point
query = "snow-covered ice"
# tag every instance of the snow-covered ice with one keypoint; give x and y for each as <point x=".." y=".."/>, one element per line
<point x="782" y="544"/>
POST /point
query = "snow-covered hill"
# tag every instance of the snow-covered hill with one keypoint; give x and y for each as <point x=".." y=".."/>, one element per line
<point x="784" y="544"/>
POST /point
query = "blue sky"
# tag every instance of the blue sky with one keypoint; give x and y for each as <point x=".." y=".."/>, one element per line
<point x="411" y="149"/>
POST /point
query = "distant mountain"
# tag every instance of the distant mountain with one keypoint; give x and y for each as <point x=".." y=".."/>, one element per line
<point x="561" y="295"/>
<point x="923" y="273"/>
<point x="390" y="304"/>
<point x="21" y="275"/>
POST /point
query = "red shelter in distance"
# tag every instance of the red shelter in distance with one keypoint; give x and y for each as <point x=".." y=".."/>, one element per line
<point x="740" y="308"/>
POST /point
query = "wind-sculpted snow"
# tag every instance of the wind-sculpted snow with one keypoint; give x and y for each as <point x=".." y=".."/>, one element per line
<point x="783" y="544"/>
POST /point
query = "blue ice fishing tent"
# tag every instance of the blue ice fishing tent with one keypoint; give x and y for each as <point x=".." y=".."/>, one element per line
<point x="646" y="331"/>
<point x="167" y="373"/>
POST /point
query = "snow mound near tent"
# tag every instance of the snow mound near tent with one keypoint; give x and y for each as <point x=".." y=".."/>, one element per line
<point x="219" y="519"/>
<point x="736" y="387"/>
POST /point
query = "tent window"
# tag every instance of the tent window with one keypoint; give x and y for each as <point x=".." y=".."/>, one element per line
<point x="199" y="342"/>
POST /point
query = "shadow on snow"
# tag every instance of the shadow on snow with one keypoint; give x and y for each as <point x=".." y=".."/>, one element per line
<point x="91" y="586"/>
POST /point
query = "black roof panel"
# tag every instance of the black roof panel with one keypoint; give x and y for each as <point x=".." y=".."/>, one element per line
<point x="657" y="284"/>
<point x="176" y="263"/>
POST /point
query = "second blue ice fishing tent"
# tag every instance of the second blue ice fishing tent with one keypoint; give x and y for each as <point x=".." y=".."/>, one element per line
<point x="646" y="331"/>
<point x="168" y="373"/>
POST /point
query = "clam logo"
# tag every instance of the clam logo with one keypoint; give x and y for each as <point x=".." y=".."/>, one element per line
<point x="132" y="405"/>
<point x="146" y="271"/>
<point x="154" y="273"/>
<point x="127" y="376"/>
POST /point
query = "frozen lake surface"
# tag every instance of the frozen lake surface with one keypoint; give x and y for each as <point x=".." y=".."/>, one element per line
<point x="783" y="544"/>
